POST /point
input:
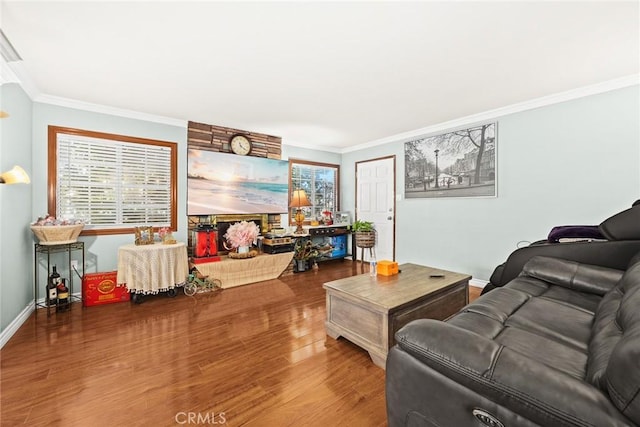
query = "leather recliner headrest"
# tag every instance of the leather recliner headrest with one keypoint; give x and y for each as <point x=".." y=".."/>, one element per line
<point x="622" y="226"/>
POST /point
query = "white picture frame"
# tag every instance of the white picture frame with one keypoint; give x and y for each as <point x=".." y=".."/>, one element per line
<point x="342" y="218"/>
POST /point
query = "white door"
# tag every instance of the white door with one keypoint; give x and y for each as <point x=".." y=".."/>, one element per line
<point x="375" y="202"/>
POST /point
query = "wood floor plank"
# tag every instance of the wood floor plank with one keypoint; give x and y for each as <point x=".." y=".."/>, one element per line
<point x="258" y="354"/>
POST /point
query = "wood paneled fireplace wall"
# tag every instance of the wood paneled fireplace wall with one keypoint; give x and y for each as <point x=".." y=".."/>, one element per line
<point x="216" y="138"/>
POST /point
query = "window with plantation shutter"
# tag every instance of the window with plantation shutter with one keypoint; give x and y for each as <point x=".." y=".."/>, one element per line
<point x="112" y="182"/>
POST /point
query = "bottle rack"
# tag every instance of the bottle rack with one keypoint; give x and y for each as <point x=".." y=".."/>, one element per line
<point x="40" y="251"/>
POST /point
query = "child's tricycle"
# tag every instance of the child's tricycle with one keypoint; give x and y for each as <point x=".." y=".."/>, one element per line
<point x="197" y="283"/>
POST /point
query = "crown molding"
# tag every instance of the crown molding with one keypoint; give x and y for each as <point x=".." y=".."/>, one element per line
<point x="104" y="109"/>
<point x="328" y="149"/>
<point x="19" y="75"/>
<point x="15" y="72"/>
<point x="6" y="74"/>
<point x="544" y="101"/>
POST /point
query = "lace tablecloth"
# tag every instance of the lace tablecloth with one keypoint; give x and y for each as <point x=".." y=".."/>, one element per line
<point x="149" y="269"/>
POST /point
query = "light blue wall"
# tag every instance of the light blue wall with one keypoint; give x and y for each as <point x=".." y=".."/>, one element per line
<point x="575" y="162"/>
<point x="293" y="152"/>
<point x="101" y="252"/>
<point x="572" y="163"/>
<point x="16" y="244"/>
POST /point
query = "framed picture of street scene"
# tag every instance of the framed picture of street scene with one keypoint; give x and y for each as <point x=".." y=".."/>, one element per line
<point x="460" y="163"/>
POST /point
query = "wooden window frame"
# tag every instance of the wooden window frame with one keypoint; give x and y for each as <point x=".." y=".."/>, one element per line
<point x="293" y="162"/>
<point x="52" y="176"/>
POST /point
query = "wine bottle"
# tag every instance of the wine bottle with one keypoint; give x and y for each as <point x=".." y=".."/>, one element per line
<point x="52" y="288"/>
<point x="63" y="296"/>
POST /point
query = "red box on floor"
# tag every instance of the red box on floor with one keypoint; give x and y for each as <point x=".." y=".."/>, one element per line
<point x="100" y="288"/>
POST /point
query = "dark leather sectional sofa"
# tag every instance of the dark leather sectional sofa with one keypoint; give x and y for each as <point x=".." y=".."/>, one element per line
<point x="557" y="345"/>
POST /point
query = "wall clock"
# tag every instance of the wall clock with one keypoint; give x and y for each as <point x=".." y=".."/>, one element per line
<point x="241" y="145"/>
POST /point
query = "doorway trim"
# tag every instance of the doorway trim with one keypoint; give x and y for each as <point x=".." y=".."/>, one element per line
<point x="392" y="157"/>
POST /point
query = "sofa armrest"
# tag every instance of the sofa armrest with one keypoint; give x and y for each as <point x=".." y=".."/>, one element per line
<point x="610" y="254"/>
<point x="537" y="392"/>
<point x="573" y="275"/>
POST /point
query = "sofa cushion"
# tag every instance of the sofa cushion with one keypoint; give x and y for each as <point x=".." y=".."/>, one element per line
<point x="605" y="335"/>
<point x="510" y="316"/>
<point x="556" y="355"/>
<point x="607" y="328"/>
<point x="563" y="323"/>
<point x="479" y="324"/>
<point x="584" y="301"/>
<point x="572" y="275"/>
<point x="498" y="305"/>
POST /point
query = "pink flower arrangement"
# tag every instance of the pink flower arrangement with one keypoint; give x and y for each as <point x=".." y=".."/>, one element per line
<point x="162" y="232"/>
<point x="50" y="220"/>
<point x="242" y="234"/>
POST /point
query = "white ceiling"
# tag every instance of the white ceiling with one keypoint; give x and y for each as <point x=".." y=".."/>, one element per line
<point x="328" y="75"/>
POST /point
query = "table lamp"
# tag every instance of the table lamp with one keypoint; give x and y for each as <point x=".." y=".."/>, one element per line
<point x="298" y="200"/>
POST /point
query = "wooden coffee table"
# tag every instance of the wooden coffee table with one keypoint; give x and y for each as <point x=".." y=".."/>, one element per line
<point x="368" y="310"/>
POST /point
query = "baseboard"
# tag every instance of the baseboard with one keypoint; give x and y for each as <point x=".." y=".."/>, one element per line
<point x="478" y="283"/>
<point x="13" y="327"/>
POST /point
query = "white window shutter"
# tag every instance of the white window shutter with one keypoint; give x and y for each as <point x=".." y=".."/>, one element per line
<point x="113" y="184"/>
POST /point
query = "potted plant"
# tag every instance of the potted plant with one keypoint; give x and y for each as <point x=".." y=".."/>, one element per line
<point x="365" y="233"/>
<point x="303" y="252"/>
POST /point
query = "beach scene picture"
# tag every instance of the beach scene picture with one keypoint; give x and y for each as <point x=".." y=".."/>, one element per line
<point x="221" y="183"/>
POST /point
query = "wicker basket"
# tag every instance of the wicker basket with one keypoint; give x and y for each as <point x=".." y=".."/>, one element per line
<point x="57" y="234"/>
<point x="244" y="255"/>
<point x="365" y="239"/>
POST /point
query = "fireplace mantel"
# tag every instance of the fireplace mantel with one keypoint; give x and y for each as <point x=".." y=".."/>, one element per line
<point x="263" y="218"/>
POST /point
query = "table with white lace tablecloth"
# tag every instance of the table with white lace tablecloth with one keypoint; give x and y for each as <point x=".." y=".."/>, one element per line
<point x="149" y="269"/>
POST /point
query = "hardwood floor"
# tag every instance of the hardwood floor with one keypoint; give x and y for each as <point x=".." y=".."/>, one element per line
<point x="474" y="293"/>
<point x="254" y="355"/>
